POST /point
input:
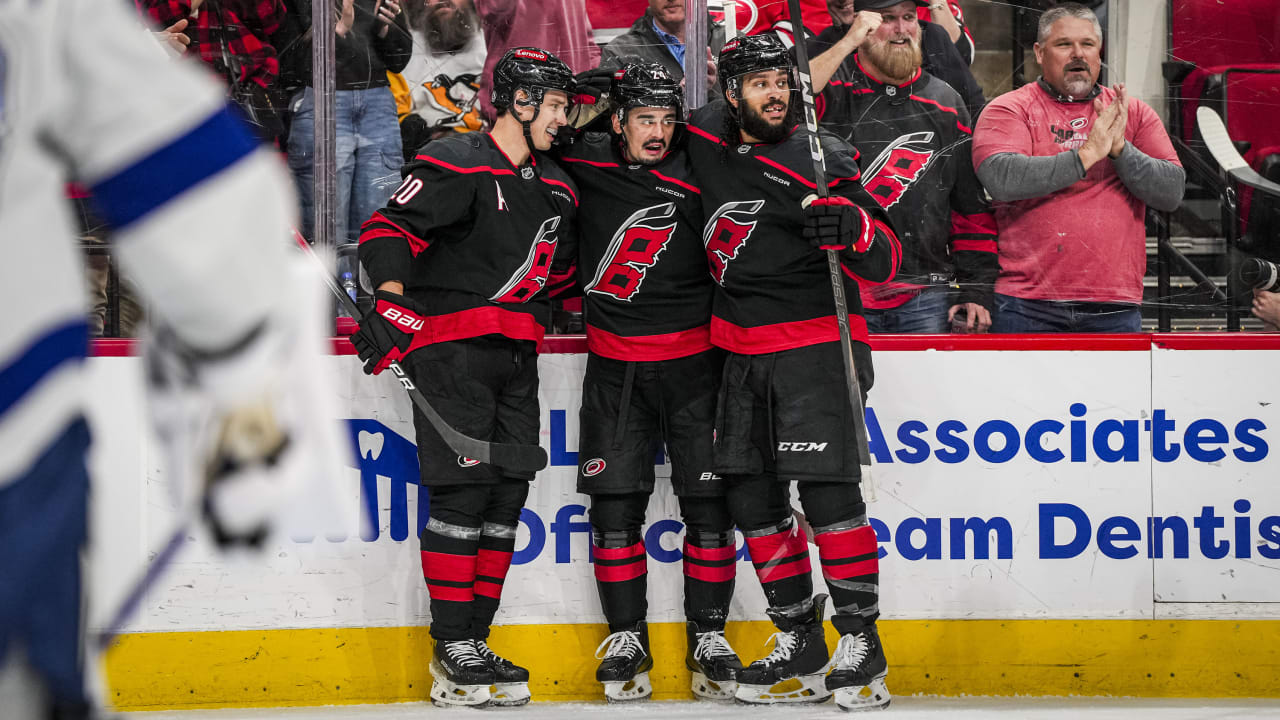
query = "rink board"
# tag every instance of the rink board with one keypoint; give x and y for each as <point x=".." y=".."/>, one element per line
<point x="1076" y="516"/>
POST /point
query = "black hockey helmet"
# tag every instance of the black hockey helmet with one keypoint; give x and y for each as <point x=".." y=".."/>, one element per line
<point x="753" y="53"/>
<point x="645" y="84"/>
<point x="530" y="69"/>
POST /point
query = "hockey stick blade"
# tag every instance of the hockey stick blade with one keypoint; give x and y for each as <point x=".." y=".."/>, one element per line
<point x="1224" y="151"/>
<point x="523" y="458"/>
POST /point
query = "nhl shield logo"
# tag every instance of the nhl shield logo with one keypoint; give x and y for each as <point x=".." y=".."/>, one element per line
<point x="526" y="173"/>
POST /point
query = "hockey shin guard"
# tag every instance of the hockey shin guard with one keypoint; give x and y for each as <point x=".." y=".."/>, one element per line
<point x="621" y="577"/>
<point x="497" y="543"/>
<point x="710" y="566"/>
<point x="850" y="564"/>
<point x="780" y="554"/>
<point x="449" y="566"/>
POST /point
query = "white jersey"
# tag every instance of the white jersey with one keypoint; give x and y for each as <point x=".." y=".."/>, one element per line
<point x="84" y="96"/>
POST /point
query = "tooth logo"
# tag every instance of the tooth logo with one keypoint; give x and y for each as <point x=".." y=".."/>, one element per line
<point x="467" y="462"/>
<point x="370" y="444"/>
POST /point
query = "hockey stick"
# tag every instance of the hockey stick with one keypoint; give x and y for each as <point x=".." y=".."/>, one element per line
<point x="833" y="256"/>
<point x="153" y="572"/>
<point x="505" y="455"/>
<point x="1224" y="151"/>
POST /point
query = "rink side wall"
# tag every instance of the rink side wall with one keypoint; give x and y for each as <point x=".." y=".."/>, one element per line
<point x="1064" y="515"/>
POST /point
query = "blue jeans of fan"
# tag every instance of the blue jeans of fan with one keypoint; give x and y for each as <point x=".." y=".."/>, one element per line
<point x="1020" y="315"/>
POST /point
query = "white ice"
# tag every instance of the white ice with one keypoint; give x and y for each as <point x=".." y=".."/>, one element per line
<point x="904" y="708"/>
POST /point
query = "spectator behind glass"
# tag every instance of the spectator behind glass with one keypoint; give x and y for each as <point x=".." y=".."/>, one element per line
<point x="940" y="57"/>
<point x="657" y="36"/>
<point x="948" y="15"/>
<point x="1072" y="167"/>
<point x="235" y="38"/>
<point x="440" y="90"/>
<point x="912" y="137"/>
<point x="372" y="39"/>
<point x="558" y="26"/>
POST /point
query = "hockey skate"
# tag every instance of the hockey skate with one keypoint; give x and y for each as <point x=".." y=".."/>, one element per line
<point x="459" y="675"/>
<point x="714" y="664"/>
<point x="858" y="672"/>
<point x="510" y="681"/>
<point x="793" y="672"/>
<point x="625" y="665"/>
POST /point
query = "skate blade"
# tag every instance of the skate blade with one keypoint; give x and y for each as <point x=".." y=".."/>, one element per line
<point x="447" y="694"/>
<point x="873" y="696"/>
<point x="707" y="689"/>
<point x="509" y="694"/>
<point x="637" y="688"/>
<point x="800" y="689"/>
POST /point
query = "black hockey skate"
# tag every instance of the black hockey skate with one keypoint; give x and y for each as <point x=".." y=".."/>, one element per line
<point x="858" y="672"/>
<point x="459" y="675"/>
<point x="510" y="681"/>
<point x="714" y="664"/>
<point x="799" y="654"/>
<point x="625" y="664"/>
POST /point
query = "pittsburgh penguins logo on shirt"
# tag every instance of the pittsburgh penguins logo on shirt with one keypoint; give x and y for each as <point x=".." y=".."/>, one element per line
<point x="727" y="232"/>
<point x="634" y="249"/>
<point x="898" y="166"/>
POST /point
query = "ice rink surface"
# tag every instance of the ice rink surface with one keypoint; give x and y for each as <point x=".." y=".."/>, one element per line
<point x="907" y="708"/>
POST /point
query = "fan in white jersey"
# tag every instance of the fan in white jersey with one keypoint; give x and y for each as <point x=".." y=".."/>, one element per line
<point x="200" y="218"/>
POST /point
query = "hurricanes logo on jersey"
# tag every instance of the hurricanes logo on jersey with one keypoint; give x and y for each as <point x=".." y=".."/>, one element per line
<point x="634" y="249"/>
<point x="726" y="232"/>
<point x="898" y="166"/>
<point x="532" y="275"/>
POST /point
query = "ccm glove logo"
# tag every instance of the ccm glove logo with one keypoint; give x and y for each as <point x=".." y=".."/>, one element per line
<point x="403" y="319"/>
<point x="801" y="447"/>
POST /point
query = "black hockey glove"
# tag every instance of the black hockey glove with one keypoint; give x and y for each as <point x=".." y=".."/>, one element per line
<point x="835" y="223"/>
<point x="593" y="85"/>
<point x="387" y="332"/>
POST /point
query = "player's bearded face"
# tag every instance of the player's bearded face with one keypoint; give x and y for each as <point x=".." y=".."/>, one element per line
<point x="646" y="137"/>
<point x="763" y="105"/>
<point x="894" y="49"/>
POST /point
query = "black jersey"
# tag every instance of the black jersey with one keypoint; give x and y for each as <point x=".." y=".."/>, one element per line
<point x="915" y="147"/>
<point x="640" y="258"/>
<point x="775" y="293"/>
<point x="473" y="238"/>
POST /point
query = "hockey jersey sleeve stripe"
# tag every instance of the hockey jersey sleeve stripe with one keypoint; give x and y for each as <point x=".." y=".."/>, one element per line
<point x="800" y="178"/>
<point x="699" y="132"/>
<point x="68" y="343"/>
<point x="566" y="186"/>
<point x="189" y="159"/>
<point x="977" y="224"/>
<point x="371" y="231"/>
<point x="895" y="256"/>
<point x="974" y="245"/>
<point x="963" y="128"/>
<point x="674" y="181"/>
<point x="477" y="169"/>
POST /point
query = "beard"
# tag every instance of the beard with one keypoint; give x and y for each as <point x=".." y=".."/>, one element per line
<point x="1078" y="84"/>
<point x="445" y="31"/>
<point x="897" y="62"/>
<point x="755" y="125"/>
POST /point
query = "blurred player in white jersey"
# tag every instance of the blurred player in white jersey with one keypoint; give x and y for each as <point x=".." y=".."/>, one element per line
<point x="200" y="218"/>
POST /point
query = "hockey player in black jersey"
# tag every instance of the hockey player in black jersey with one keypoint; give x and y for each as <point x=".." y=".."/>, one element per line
<point x="651" y="378"/>
<point x="784" y="412"/>
<point x="462" y="258"/>
<point x="914" y="140"/>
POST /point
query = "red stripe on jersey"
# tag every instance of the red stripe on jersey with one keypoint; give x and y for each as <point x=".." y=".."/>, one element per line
<point x="630" y="551"/>
<point x="782" y="336"/>
<point x="416" y="244"/>
<point x="782" y="168"/>
<point x="484" y="321"/>
<point x="620" y="573"/>
<point x="717" y="554"/>
<point x="674" y="181"/>
<point x="572" y="194"/>
<point x="455" y="168"/>
<point x="974" y="245"/>
<point x="444" y="566"/>
<point x="895" y="257"/>
<point x="649" y="348"/>
<point x="705" y="135"/>
<point x="592" y="163"/>
<point x="454" y="594"/>
<point x="710" y="573"/>
<point x="976" y="224"/>
<point x="963" y="128"/>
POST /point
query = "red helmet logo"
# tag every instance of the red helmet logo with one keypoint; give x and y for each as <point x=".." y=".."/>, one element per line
<point x="530" y="54"/>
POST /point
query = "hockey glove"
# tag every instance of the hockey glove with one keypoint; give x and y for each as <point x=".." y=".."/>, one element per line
<point x="835" y="223"/>
<point x="593" y="85"/>
<point x="386" y="332"/>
